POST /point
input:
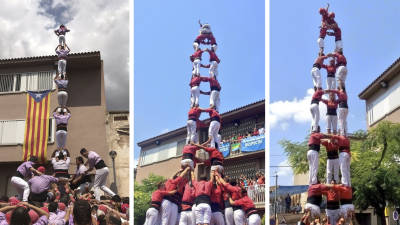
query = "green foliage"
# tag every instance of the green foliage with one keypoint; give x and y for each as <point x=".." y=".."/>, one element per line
<point x="142" y="196"/>
<point x="263" y="220"/>
<point x="375" y="158"/>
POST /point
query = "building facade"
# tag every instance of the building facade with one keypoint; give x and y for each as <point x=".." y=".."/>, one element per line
<point x="161" y="155"/>
<point x="87" y="103"/>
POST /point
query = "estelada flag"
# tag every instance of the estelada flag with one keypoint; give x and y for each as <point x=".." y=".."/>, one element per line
<point x="36" y="125"/>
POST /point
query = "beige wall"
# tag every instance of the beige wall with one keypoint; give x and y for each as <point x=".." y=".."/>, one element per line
<point x="87" y="126"/>
<point x="119" y="142"/>
<point x="165" y="168"/>
<point x="300" y="179"/>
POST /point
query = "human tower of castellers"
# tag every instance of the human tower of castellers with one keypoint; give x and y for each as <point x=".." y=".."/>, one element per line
<point x="59" y="198"/>
<point x="183" y="199"/>
<point x="338" y="192"/>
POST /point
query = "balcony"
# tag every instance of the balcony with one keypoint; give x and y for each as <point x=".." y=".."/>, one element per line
<point x="257" y="194"/>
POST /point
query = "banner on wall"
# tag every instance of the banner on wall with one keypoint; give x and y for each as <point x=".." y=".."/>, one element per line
<point x="252" y="144"/>
<point x="235" y="146"/>
<point x="225" y="148"/>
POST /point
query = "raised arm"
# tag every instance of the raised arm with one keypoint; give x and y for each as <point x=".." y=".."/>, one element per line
<point x="39" y="211"/>
<point x="7" y="208"/>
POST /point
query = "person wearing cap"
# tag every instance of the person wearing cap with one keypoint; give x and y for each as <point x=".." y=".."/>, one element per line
<point x="61" y="82"/>
<point x="96" y="162"/>
<point x="40" y="185"/>
<point x="61" y="115"/>
<point x="62" y="53"/>
<point x="24" y="171"/>
<point x="61" y="165"/>
<point x="249" y="208"/>
<point x="80" y="181"/>
<point x="60" y="32"/>
<point x="24" y="214"/>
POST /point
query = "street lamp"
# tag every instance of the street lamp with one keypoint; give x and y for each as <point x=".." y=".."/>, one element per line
<point x="113" y="155"/>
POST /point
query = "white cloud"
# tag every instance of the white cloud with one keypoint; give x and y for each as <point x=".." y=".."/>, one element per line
<point x="95" y="25"/>
<point x="285" y="112"/>
<point x="284" y="169"/>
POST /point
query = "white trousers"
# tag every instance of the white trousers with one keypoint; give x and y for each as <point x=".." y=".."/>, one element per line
<point x="203" y="213"/>
<point x="61" y="40"/>
<point x="196" y="66"/>
<point x="213" y="69"/>
<point x="314" y="209"/>
<point x="169" y="212"/>
<point x="342" y="118"/>
<point x="239" y="217"/>
<point x="62" y="98"/>
<point x="332" y="169"/>
<point x="82" y="188"/>
<point x="215" y="100"/>
<point x="217" y="218"/>
<point x="62" y="65"/>
<point x="344" y="160"/>
<point x="178" y="218"/>
<point x="100" y="181"/>
<point x="22" y="188"/>
<point x="341" y="74"/>
<point x="152" y="217"/>
<point x="313" y="161"/>
<point x="331" y="83"/>
<point x="333" y="215"/>
<point x="229" y="216"/>
<point x="331" y="123"/>
<point x="194" y="96"/>
<point x="195" y="46"/>
<point x="316" y="76"/>
<point x="191" y="131"/>
<point x="254" y="219"/>
<point x="345" y="209"/>
<point x="187" y="218"/>
<point x="314" y="108"/>
<point x="218" y="168"/>
<point x="320" y="42"/>
<point x="213" y="132"/>
<point x="61" y="138"/>
<point x="187" y="162"/>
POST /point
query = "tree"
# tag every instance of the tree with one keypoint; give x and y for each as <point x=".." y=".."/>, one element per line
<point x="375" y="158"/>
<point x="142" y="196"/>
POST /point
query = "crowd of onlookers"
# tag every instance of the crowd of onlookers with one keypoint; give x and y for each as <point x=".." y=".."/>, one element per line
<point x="235" y="138"/>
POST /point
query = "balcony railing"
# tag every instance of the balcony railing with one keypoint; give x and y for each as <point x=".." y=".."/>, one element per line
<point x="246" y="145"/>
<point x="257" y="194"/>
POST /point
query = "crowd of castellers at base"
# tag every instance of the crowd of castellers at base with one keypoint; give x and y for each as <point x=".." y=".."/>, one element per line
<point x="57" y="198"/>
<point x="183" y="199"/>
<point x="340" y="209"/>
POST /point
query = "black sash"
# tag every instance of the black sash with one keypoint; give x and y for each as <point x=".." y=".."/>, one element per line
<point x="215" y="118"/>
<point x="215" y="207"/>
<point x="314" y="147"/>
<point x="346" y="201"/>
<point x="332" y="205"/>
<point x="203" y="199"/>
<point x="317" y="65"/>
<point x="315" y="200"/>
<point x="100" y="165"/>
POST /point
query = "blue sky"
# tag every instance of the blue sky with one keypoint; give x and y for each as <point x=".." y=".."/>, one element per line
<point x="369" y="37"/>
<point x="163" y="35"/>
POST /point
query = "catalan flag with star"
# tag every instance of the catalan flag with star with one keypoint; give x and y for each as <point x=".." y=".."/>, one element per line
<point x="36" y="125"/>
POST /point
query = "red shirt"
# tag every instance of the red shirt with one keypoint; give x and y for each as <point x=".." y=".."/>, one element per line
<point x="332" y="194"/>
<point x="177" y="183"/>
<point x="245" y="202"/>
<point x="213" y="56"/>
<point x="340" y="59"/>
<point x="345" y="192"/>
<point x="236" y="192"/>
<point x="343" y="142"/>
<point x="331" y="70"/>
<point x="330" y="146"/>
<point x="318" y="95"/>
<point x="342" y="96"/>
<point x="202" y="188"/>
<point x="315" y="139"/>
<point x="190" y="149"/>
<point x="196" y="55"/>
<point x="158" y="195"/>
<point x="316" y="189"/>
<point x="215" y="154"/>
<point x="213" y="113"/>
<point x="194" y="113"/>
<point x="330" y="104"/>
<point x="214" y="84"/>
<point x="217" y="197"/>
<point x="201" y="39"/>
<point x="320" y="60"/>
<point x="195" y="81"/>
<point x="188" y="196"/>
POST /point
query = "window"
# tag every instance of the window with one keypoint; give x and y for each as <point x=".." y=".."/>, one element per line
<point x="12" y="132"/>
<point x="159" y="153"/>
<point x="21" y="82"/>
